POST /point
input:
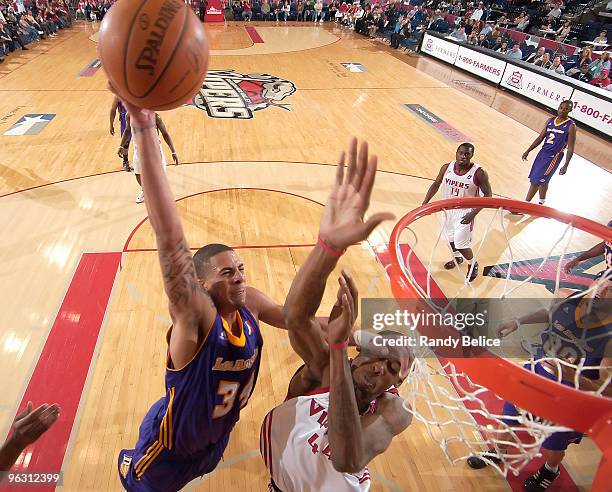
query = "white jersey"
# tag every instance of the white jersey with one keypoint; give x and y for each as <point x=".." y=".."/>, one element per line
<point x="295" y="448"/>
<point x="460" y="185"/>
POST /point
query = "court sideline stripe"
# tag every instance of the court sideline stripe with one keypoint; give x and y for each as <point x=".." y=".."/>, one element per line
<point x="62" y="368"/>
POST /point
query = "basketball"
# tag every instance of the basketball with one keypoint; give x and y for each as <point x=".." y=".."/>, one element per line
<point x="154" y="52"/>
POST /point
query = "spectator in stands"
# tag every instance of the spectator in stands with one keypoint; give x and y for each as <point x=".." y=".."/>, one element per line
<point x="285" y="10"/>
<point x="563" y="31"/>
<point x="318" y="11"/>
<point x="543" y="61"/>
<point x="486" y="30"/>
<point x="574" y="64"/>
<point x="309" y="10"/>
<point x="459" y="35"/>
<point x="535" y="55"/>
<point x="265" y="9"/>
<point x="483" y="41"/>
<point x="495" y="32"/>
<point x="477" y="14"/>
<point x="472" y="39"/>
<point x="247" y="11"/>
<point x="555" y="12"/>
<point x="556" y="66"/>
<point x="515" y="53"/>
<point x="342" y="10"/>
<point x="469" y="26"/>
<point x="498" y="43"/>
<point x="602" y="79"/>
<point x="583" y="74"/>
<point x="395" y="36"/>
<point x="333" y="10"/>
<point x="602" y="38"/>
<point x="549" y="24"/>
<point x="603" y="63"/>
<point x="523" y="24"/>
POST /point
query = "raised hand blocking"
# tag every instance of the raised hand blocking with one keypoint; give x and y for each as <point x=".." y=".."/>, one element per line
<point x="343" y="222"/>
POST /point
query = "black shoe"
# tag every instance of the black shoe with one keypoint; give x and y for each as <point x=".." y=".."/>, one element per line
<point x="474" y="272"/>
<point x="449" y="265"/>
<point x="541" y="480"/>
<point x="24" y="48"/>
<point x="476" y="462"/>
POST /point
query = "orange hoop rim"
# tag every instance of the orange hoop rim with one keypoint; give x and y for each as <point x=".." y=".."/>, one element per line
<point x="584" y="412"/>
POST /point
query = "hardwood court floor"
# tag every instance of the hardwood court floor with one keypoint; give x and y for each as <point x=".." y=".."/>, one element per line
<point x="256" y="184"/>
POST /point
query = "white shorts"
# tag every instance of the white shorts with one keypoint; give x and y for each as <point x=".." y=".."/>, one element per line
<point x="458" y="233"/>
<point x="136" y="160"/>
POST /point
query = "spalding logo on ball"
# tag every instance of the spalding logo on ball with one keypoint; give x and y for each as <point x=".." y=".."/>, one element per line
<point x="154" y="52"/>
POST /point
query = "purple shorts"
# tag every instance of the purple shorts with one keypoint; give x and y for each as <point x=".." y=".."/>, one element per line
<point x="544" y="166"/>
<point x="558" y="441"/>
<point x="152" y="468"/>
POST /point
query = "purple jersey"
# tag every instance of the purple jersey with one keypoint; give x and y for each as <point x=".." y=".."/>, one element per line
<point x="570" y="337"/>
<point x="556" y="137"/>
<point x="185" y="433"/>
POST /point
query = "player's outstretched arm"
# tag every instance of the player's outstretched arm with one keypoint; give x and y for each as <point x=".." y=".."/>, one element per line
<point x="191" y="308"/>
<point x="535" y="143"/>
<point x="342" y="225"/>
<point x="597" y="250"/>
<point x="29" y="425"/>
<point x="571" y="140"/>
<point x="435" y="186"/>
<point x="354" y="440"/>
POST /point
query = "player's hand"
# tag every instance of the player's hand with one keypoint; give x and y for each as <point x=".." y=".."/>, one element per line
<point x="337" y="309"/>
<point x="122" y="151"/>
<point x="112" y="130"/>
<point x="468" y="218"/>
<point x="525" y="155"/>
<point x="139" y="117"/>
<point x="342" y="223"/>
<point x="339" y="330"/>
<point x="570" y="265"/>
<point x="506" y="327"/>
<point x="30" y="424"/>
<point x="563" y="170"/>
<point x="175" y="159"/>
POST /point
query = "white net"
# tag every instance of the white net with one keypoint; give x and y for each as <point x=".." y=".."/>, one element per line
<point x="467" y="419"/>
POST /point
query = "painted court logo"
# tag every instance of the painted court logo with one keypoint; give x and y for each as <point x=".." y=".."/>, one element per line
<point x="229" y="94"/>
<point x="515" y="79"/>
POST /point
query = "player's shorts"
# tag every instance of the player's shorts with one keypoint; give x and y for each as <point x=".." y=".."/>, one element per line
<point x="557" y="441"/>
<point x="544" y="166"/>
<point x="458" y="233"/>
<point x="156" y="469"/>
<point x="136" y="160"/>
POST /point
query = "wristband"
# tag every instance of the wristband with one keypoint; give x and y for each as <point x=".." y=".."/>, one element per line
<point x="329" y="249"/>
<point x="339" y="346"/>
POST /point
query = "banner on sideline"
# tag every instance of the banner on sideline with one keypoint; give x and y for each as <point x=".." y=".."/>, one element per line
<point x="592" y="111"/>
<point x="547" y="91"/>
<point x="478" y="63"/>
<point x="439" y="48"/>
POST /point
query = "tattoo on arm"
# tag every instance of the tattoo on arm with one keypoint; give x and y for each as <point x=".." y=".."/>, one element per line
<point x="178" y="270"/>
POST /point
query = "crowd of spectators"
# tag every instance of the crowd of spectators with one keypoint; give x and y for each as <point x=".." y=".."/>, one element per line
<point x="23" y="22"/>
<point x="92" y="10"/>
